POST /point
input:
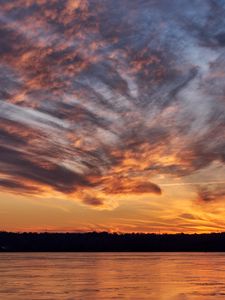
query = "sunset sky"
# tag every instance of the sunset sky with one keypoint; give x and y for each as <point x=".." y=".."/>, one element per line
<point x="112" y="115"/>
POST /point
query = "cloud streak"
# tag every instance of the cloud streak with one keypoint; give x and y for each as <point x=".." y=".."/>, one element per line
<point x="99" y="97"/>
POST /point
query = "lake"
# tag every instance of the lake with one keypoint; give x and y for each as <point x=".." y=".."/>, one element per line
<point x="81" y="276"/>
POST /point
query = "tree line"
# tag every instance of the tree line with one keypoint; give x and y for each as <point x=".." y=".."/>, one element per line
<point x="110" y="242"/>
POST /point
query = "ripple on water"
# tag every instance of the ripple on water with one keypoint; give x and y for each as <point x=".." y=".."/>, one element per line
<point x="74" y="276"/>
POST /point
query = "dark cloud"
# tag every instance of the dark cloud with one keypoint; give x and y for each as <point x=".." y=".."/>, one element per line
<point x="21" y="166"/>
<point x="12" y="186"/>
<point x="93" y="201"/>
<point x="146" y="187"/>
<point x="211" y="194"/>
<point x="128" y="185"/>
<point x="94" y="92"/>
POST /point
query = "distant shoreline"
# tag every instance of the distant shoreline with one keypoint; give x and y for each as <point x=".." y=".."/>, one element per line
<point x="111" y="242"/>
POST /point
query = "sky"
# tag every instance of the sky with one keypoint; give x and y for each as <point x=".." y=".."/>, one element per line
<point x="112" y="115"/>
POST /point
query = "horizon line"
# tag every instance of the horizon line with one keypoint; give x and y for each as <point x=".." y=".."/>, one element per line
<point x="110" y="233"/>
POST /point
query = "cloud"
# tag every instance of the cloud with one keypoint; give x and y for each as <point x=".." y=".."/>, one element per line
<point x="18" y="186"/>
<point x="108" y="95"/>
<point x="187" y="216"/>
<point x="146" y="187"/>
<point x="93" y="201"/>
<point x="128" y="185"/>
<point x="211" y="194"/>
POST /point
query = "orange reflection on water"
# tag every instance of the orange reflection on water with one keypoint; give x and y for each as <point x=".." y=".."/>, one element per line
<point x="154" y="276"/>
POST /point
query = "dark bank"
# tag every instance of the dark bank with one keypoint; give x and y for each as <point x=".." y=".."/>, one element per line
<point x="110" y="242"/>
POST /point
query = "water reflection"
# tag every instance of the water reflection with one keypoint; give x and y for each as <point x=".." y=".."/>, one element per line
<point x="73" y="276"/>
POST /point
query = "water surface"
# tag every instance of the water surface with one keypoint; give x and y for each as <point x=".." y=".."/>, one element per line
<point x="84" y="276"/>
